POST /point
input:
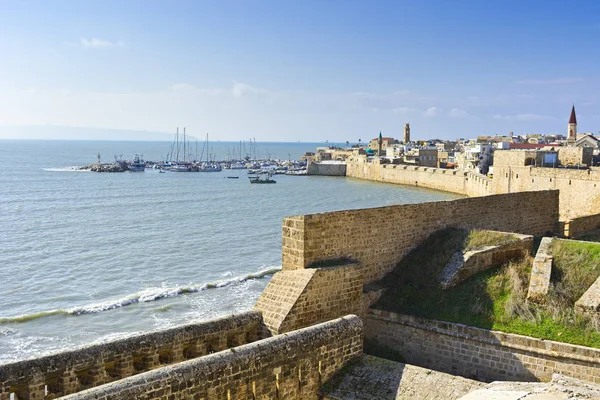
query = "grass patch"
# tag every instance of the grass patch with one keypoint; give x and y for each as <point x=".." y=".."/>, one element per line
<point x="477" y="239"/>
<point x="496" y="299"/>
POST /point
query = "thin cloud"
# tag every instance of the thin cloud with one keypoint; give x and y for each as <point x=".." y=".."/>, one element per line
<point x="97" y="43"/>
<point x="457" y="113"/>
<point x="557" y="81"/>
<point x="241" y="89"/>
<point x="431" y="112"/>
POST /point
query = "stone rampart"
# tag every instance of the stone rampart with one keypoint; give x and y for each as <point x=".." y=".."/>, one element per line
<point x="479" y="353"/>
<point x="579" y="189"/>
<point x="378" y="238"/>
<point x="466" y="183"/>
<point x="72" y="371"/>
<point x="577" y="226"/>
<point x="290" y="366"/>
<point x="326" y="169"/>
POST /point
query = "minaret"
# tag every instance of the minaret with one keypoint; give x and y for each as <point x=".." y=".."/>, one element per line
<point x="380" y="142"/>
<point x="406" y="133"/>
<point x="572" y="132"/>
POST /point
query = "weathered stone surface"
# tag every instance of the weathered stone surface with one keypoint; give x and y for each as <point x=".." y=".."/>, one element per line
<point x="378" y="238"/>
<point x="72" y="371"/>
<point x="559" y="388"/>
<point x="375" y="378"/>
<point x="590" y="301"/>
<point x="464" y="265"/>
<point x="289" y="366"/>
<point x="479" y="353"/>
<point x="539" y="282"/>
<point x="296" y="299"/>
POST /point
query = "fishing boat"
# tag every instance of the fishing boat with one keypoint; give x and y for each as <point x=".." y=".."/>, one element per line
<point x="138" y="164"/>
<point x="262" y="178"/>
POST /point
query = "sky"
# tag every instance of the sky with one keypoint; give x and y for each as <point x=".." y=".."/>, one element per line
<point x="297" y="70"/>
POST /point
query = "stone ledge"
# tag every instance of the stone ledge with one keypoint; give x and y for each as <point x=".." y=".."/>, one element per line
<point x="545" y="348"/>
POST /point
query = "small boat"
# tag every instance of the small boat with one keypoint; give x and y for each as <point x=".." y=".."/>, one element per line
<point x="161" y="172"/>
<point x="266" y="178"/>
<point x="233" y="177"/>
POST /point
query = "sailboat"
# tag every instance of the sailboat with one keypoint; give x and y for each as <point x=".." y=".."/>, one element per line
<point x="208" y="166"/>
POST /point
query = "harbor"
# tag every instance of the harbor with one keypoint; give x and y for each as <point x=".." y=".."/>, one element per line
<point x="183" y="156"/>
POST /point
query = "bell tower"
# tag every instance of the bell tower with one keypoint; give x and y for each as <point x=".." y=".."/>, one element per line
<point x="406" y="133"/>
<point x="572" y="130"/>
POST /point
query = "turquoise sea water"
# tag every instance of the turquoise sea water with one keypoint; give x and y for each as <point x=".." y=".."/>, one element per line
<point x="88" y="257"/>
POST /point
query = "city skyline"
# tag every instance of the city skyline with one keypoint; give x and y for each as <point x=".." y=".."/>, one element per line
<point x="311" y="71"/>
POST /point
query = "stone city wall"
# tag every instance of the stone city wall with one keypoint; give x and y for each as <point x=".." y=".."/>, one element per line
<point x="579" y="189"/>
<point x="461" y="182"/>
<point x="378" y="238"/>
<point x="577" y="226"/>
<point x="72" y="371"/>
<point x="300" y="298"/>
<point x="326" y="169"/>
<point x="290" y="366"/>
<point x="479" y="353"/>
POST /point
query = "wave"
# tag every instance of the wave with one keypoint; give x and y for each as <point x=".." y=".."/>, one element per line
<point x="143" y="296"/>
<point x="65" y="169"/>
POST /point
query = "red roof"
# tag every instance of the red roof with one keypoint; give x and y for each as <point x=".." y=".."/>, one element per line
<point x="530" y="145"/>
<point x="573" y="119"/>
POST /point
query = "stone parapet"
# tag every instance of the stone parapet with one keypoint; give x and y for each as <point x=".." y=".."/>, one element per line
<point x="578" y="226"/>
<point x="290" y="366"/>
<point x="72" y="371"/>
<point x="378" y="238"/>
<point x="479" y="353"/>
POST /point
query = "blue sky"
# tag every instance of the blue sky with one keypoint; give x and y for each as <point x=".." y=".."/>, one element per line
<point x="305" y="70"/>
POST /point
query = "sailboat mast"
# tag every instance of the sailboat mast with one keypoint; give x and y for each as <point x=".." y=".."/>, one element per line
<point x="177" y="158"/>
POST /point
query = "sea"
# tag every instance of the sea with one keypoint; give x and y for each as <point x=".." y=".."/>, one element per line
<point x="91" y="257"/>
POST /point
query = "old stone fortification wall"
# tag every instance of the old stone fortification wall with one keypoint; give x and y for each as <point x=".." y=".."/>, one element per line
<point x="296" y="299"/>
<point x="378" y="238"/>
<point x="73" y="371"/>
<point x="577" y="226"/>
<point x="326" y="169"/>
<point x="579" y="188"/>
<point x="455" y="181"/>
<point x="290" y="366"/>
<point x="480" y="353"/>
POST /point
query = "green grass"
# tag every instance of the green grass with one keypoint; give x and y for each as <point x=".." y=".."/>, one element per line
<point x="495" y="299"/>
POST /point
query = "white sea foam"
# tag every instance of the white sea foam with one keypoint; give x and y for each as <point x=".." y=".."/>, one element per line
<point x="66" y="169"/>
<point x="143" y="296"/>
